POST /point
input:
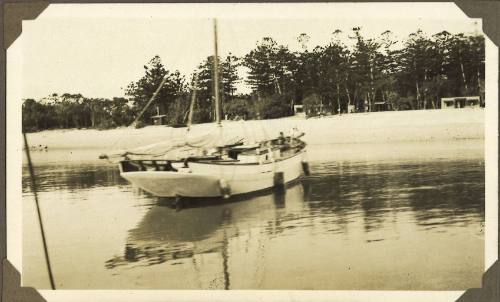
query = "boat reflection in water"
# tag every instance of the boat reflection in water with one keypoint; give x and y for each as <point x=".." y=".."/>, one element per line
<point x="170" y="232"/>
<point x="339" y="229"/>
<point x="325" y="232"/>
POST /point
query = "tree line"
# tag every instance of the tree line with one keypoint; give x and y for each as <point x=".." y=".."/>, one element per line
<point x="335" y="78"/>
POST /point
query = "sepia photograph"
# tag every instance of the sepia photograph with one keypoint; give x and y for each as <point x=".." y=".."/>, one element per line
<point x="318" y="147"/>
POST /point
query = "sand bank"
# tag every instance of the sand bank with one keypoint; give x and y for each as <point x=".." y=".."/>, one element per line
<point x="376" y="127"/>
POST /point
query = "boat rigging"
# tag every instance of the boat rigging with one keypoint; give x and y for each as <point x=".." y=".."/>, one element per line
<point x="211" y="165"/>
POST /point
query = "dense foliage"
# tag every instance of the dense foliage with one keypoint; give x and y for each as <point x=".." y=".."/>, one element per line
<point x="328" y="79"/>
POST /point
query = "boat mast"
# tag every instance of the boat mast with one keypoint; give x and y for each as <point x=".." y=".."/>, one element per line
<point x="193" y="100"/>
<point x="216" y="77"/>
<point x="150" y="100"/>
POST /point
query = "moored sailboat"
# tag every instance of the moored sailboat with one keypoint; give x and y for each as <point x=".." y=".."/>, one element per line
<point x="214" y="166"/>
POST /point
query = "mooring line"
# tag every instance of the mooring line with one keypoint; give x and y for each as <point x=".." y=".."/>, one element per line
<point x="34" y="190"/>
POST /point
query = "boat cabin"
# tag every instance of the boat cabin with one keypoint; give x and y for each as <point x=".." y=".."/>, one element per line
<point x="259" y="153"/>
<point x="256" y="154"/>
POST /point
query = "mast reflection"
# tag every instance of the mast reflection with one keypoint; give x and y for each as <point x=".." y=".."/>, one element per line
<point x="200" y="227"/>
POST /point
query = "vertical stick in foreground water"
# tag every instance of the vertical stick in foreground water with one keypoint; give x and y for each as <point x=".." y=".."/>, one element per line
<point x="34" y="190"/>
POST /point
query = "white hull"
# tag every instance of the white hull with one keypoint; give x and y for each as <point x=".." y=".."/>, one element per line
<point x="205" y="179"/>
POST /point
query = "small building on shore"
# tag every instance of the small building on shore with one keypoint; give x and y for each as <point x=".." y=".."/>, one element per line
<point x="381" y="106"/>
<point x="158" y="119"/>
<point x="299" y="110"/>
<point x="461" y="102"/>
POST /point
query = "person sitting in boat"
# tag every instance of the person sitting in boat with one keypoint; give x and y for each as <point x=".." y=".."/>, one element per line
<point x="281" y="139"/>
<point x="169" y="167"/>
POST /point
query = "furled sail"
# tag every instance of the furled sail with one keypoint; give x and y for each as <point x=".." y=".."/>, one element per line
<point x="180" y="148"/>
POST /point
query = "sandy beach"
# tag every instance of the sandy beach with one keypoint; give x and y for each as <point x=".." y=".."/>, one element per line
<point x="376" y="127"/>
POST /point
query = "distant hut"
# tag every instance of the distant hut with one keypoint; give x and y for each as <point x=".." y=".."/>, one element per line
<point x="298" y="110"/>
<point x="461" y="102"/>
<point x="381" y="106"/>
<point x="158" y="119"/>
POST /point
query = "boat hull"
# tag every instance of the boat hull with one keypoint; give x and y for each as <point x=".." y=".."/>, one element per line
<point x="216" y="180"/>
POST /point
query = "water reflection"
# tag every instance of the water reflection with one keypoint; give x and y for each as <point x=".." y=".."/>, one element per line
<point x="336" y="200"/>
<point x="71" y="177"/>
<point x="441" y="192"/>
<point x="201" y="226"/>
<point x="346" y="212"/>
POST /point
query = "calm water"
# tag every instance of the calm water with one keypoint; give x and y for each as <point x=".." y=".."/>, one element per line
<point x="401" y="216"/>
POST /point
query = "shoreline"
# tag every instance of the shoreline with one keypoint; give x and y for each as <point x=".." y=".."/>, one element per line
<point x="373" y="127"/>
<point x="361" y="152"/>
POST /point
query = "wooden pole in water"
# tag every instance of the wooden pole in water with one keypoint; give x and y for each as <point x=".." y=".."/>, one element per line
<point x="42" y="231"/>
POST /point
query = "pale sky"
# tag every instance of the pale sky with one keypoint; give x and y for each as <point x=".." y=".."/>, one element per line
<point x="97" y="50"/>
